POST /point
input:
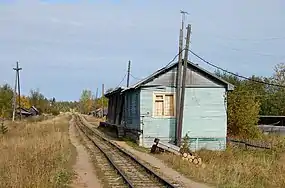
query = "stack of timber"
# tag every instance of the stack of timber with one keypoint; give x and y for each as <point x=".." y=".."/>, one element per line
<point x="192" y="159"/>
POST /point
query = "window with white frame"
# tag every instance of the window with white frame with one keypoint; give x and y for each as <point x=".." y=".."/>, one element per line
<point x="163" y="105"/>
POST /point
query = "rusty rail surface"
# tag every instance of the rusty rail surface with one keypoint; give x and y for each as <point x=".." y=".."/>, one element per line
<point x="133" y="172"/>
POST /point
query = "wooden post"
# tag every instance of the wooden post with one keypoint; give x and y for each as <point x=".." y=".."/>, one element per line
<point x="102" y="100"/>
<point x="17" y="82"/>
<point x="128" y="74"/>
<point x="178" y="75"/>
<point x="185" y="63"/>
<point x="178" y="82"/>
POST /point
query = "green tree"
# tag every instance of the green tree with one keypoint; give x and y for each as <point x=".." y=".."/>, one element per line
<point x="86" y="101"/>
<point x="243" y="110"/>
<point x="243" y="107"/>
<point x="276" y="103"/>
<point x="38" y="100"/>
<point x="6" y="100"/>
<point x="98" y="102"/>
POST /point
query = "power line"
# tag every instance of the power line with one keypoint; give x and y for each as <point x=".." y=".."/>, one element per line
<point x="243" y="77"/>
<point x="251" y="51"/>
<point x="164" y="66"/>
<point x="248" y="39"/>
<point x="135" y="77"/>
<point x="122" y="80"/>
<point x="174" y="58"/>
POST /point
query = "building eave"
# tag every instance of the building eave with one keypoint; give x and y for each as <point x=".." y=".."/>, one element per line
<point x="114" y="91"/>
<point x="228" y="86"/>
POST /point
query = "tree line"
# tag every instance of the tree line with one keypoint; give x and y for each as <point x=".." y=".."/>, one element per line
<point x="88" y="102"/>
<point x="251" y="98"/>
<point x="35" y="98"/>
<point x="85" y="105"/>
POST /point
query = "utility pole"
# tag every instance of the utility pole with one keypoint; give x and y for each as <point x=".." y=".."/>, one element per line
<point x="17" y="82"/>
<point x="128" y="74"/>
<point x="102" y="99"/>
<point x="14" y="98"/>
<point x="179" y="70"/>
<point x="96" y="98"/>
<point x="185" y="62"/>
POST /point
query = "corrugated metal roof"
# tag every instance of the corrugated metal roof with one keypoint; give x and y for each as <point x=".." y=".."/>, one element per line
<point x="165" y="69"/>
<point x="116" y="90"/>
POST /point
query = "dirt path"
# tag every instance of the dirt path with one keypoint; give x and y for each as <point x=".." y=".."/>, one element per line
<point x="83" y="167"/>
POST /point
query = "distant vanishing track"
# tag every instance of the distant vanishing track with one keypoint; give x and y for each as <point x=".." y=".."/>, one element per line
<point x="128" y="168"/>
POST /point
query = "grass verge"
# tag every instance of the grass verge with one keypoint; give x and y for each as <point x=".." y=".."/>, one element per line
<point x="234" y="167"/>
<point x="36" y="155"/>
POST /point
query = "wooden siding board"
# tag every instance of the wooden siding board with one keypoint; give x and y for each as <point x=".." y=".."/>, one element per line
<point x="132" y="110"/>
<point x="217" y="144"/>
<point x="205" y="117"/>
<point x="153" y="127"/>
<point x="193" y="78"/>
<point x="109" y="111"/>
<point x="114" y="109"/>
<point x="118" y="109"/>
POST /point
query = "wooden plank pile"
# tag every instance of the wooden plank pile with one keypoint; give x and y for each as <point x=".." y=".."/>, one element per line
<point x="158" y="145"/>
<point x="184" y="153"/>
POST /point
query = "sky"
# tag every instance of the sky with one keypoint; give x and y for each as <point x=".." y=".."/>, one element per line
<point x="65" y="46"/>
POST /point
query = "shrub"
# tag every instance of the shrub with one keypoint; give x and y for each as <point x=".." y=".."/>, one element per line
<point x="243" y="110"/>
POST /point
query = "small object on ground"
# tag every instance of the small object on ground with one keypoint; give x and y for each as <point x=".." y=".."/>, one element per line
<point x="195" y="161"/>
<point x="199" y="160"/>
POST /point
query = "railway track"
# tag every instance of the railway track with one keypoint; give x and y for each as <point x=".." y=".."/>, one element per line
<point x="120" y="168"/>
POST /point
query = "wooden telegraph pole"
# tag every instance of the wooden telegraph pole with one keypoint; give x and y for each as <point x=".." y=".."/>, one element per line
<point x="102" y="100"/>
<point x="96" y="98"/>
<point x="128" y="74"/>
<point x="185" y="62"/>
<point x="178" y="75"/>
<point x="17" y="82"/>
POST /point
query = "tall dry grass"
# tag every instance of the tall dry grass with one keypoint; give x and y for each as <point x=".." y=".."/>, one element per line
<point x="36" y="155"/>
<point x="234" y="167"/>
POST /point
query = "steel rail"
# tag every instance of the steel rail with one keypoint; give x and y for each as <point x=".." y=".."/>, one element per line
<point x="126" y="180"/>
<point x="130" y="156"/>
